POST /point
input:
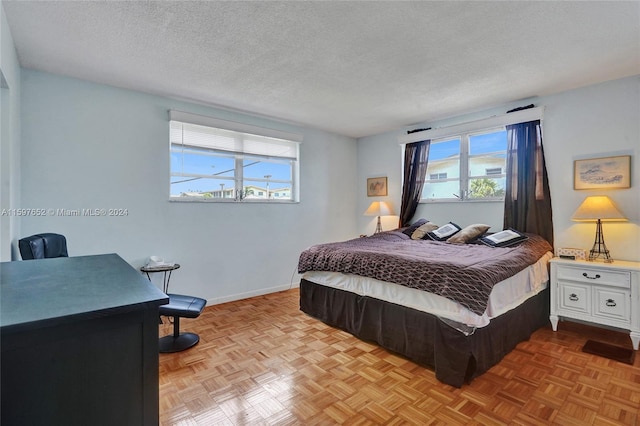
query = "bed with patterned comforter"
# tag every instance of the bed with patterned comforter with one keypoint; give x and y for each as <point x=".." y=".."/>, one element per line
<point x="463" y="273"/>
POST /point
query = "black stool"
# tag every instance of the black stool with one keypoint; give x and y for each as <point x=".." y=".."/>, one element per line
<point x="180" y="306"/>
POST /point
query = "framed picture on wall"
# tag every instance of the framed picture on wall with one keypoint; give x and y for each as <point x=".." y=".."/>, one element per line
<point x="602" y="173"/>
<point x="377" y="187"/>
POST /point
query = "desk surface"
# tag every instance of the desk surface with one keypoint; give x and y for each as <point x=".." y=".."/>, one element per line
<point x="36" y="293"/>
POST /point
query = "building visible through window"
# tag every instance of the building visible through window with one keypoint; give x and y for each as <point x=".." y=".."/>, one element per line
<point x="468" y="166"/>
<point x="219" y="164"/>
<point x="437" y="176"/>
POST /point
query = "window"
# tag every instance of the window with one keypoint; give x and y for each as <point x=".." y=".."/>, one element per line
<point x="227" y="164"/>
<point x="468" y="166"/>
<point x="437" y="176"/>
<point x="473" y="154"/>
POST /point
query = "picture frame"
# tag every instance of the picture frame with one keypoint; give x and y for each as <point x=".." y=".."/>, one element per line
<point x="377" y="187"/>
<point x="602" y="173"/>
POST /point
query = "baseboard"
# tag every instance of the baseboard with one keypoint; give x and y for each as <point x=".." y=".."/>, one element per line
<point x="249" y="294"/>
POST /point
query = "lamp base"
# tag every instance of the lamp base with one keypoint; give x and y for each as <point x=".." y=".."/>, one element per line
<point x="593" y="256"/>
<point x="599" y="249"/>
<point x="378" y="226"/>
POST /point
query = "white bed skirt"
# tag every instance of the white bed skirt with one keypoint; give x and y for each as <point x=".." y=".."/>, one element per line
<point x="504" y="296"/>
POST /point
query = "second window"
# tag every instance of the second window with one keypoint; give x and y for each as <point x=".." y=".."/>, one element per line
<point x="467" y="167"/>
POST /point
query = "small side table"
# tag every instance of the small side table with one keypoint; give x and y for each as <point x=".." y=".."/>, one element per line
<point x="165" y="269"/>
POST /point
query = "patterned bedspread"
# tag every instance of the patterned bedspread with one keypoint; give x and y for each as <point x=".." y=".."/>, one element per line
<point x="463" y="273"/>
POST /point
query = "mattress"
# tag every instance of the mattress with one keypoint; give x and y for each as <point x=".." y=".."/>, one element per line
<point x="505" y="295"/>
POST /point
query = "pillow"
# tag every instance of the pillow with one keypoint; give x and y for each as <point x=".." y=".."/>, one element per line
<point x="505" y="238"/>
<point x="418" y="223"/>
<point x="469" y="233"/>
<point x="444" y="232"/>
<point x="421" y="232"/>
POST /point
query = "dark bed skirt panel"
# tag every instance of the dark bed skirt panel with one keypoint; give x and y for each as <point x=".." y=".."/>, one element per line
<point x="422" y="337"/>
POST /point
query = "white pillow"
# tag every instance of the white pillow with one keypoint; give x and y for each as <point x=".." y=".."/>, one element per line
<point x="505" y="238"/>
<point x="444" y="232"/>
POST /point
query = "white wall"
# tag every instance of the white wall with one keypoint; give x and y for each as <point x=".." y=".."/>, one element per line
<point x="9" y="142"/>
<point x="595" y="121"/>
<point x="381" y="155"/>
<point x="92" y="146"/>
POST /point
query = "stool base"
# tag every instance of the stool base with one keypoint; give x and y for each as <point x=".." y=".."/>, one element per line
<point x="171" y="343"/>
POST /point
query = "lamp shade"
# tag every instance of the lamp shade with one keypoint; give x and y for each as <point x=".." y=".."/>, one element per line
<point x="378" y="208"/>
<point x="597" y="207"/>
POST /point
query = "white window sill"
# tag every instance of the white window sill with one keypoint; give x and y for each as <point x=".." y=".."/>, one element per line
<point x="457" y="201"/>
<point x="228" y="201"/>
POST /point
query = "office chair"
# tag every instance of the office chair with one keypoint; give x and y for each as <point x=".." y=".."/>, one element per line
<point x="43" y="246"/>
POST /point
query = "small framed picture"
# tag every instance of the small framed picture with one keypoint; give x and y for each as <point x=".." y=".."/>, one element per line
<point x="602" y="173"/>
<point x="376" y="187"/>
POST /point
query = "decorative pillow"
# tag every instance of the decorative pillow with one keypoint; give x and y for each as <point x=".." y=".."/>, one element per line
<point x="444" y="232"/>
<point x="421" y="232"/>
<point x="415" y="225"/>
<point x="505" y="238"/>
<point x="469" y="233"/>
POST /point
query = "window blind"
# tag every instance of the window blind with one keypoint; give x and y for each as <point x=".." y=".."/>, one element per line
<point x="195" y="135"/>
<point x="217" y="134"/>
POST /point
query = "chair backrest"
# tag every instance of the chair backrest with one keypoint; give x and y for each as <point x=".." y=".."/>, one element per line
<point x="42" y="246"/>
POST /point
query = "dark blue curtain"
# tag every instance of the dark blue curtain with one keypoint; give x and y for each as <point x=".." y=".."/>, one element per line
<point x="527" y="199"/>
<point x="416" y="155"/>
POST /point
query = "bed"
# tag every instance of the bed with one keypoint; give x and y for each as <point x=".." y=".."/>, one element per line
<point x="455" y="308"/>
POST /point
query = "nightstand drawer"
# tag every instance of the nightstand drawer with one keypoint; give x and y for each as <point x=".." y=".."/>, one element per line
<point x="612" y="303"/>
<point x="575" y="298"/>
<point x="594" y="276"/>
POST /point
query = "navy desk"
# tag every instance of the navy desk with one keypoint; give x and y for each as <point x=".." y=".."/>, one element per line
<point x="79" y="342"/>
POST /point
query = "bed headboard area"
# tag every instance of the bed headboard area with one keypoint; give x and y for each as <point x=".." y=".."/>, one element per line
<point x="491" y="213"/>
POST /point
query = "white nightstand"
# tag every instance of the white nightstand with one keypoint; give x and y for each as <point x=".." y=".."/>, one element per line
<point x="596" y="292"/>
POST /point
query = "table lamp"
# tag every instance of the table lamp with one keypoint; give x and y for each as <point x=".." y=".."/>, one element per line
<point x="598" y="208"/>
<point x="378" y="208"/>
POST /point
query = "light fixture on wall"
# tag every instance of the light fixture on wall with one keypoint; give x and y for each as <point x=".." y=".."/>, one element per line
<point x="598" y="208"/>
<point x="378" y="208"/>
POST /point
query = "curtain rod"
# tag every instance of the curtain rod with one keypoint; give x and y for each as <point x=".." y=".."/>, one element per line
<point x="522" y="116"/>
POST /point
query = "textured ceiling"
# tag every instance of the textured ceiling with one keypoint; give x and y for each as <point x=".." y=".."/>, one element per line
<point x="354" y="68"/>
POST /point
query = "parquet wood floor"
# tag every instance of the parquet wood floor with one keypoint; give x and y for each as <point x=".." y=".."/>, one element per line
<point x="261" y="361"/>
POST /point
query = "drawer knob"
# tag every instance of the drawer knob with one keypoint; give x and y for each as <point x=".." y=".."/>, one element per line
<point x="610" y="302"/>
<point x="574" y="297"/>
<point x="584" y="274"/>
